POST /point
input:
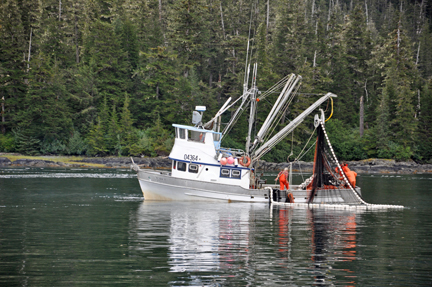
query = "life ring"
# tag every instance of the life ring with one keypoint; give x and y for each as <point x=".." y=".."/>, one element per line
<point x="245" y="164"/>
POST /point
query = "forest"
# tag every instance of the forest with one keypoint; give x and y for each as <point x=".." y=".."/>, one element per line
<point x="109" y="77"/>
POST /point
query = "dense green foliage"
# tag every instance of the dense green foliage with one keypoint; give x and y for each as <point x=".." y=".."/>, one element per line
<point x="109" y="77"/>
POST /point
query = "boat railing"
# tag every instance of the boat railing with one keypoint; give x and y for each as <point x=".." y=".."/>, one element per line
<point x="231" y="151"/>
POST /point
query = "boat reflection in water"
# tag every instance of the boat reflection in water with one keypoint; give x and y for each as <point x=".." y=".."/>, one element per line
<point x="330" y="230"/>
<point x="210" y="243"/>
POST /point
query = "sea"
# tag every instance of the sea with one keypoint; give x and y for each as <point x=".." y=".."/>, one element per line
<point x="92" y="227"/>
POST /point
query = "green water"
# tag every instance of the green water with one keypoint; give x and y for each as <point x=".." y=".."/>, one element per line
<point x="91" y="227"/>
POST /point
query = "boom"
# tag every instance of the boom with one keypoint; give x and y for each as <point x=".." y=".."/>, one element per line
<point x="266" y="147"/>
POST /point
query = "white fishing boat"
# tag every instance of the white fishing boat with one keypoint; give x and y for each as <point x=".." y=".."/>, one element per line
<point x="203" y="170"/>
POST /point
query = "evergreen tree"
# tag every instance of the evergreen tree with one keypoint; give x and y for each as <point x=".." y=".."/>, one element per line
<point x="424" y="135"/>
<point x="424" y="52"/>
<point x="358" y="47"/>
<point x="84" y="95"/>
<point x="103" y="46"/>
<point x="159" y="77"/>
<point x="128" y="135"/>
<point x="45" y="114"/>
<point x="338" y="68"/>
<point x="64" y="62"/>
<point x="13" y="66"/>
<point x="113" y="133"/>
<point x="96" y="139"/>
<point x="188" y="32"/>
<point x="128" y="39"/>
<point x="383" y="133"/>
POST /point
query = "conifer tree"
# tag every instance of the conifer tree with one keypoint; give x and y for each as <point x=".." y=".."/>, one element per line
<point x="358" y="47"/>
<point x="424" y="135"/>
<point x="114" y="74"/>
<point x="84" y="95"/>
<point x="337" y="67"/>
<point x="128" y="39"/>
<point x="188" y="32"/>
<point x="13" y="65"/>
<point x="384" y="110"/>
<point x="128" y="135"/>
<point x="113" y="133"/>
<point x="96" y="139"/>
<point x="45" y="114"/>
<point x="159" y="77"/>
<point x="97" y="136"/>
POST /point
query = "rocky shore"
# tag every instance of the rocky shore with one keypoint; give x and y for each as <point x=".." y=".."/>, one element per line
<point x="363" y="167"/>
<point x="372" y="166"/>
<point x="102" y="162"/>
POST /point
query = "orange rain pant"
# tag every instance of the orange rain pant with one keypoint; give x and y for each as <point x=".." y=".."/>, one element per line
<point x="283" y="182"/>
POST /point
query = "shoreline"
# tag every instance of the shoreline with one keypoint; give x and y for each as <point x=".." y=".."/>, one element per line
<point x="367" y="166"/>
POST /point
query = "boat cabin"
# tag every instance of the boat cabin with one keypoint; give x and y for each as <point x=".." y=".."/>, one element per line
<point x="196" y="155"/>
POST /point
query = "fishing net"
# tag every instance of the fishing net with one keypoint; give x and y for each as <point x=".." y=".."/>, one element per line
<point x="329" y="183"/>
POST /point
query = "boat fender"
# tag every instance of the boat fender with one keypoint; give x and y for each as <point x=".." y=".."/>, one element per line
<point x="242" y="161"/>
<point x="223" y="161"/>
<point x="219" y="157"/>
<point x="230" y="160"/>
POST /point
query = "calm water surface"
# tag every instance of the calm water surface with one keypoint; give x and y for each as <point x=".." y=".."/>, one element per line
<point x="92" y="227"/>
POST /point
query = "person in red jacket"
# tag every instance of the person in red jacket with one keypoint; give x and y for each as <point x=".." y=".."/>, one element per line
<point x="283" y="179"/>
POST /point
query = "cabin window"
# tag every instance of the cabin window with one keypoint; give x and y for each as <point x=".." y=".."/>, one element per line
<point x="230" y="173"/>
<point x="174" y="164"/>
<point x="182" y="134"/>
<point x="193" y="168"/>
<point x="235" y="173"/>
<point x="225" y="172"/>
<point x="176" y="133"/>
<point x="196" y="136"/>
<point x="181" y="166"/>
<point x="216" y="137"/>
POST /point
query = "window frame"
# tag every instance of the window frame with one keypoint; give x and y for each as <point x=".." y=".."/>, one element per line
<point x="182" y="133"/>
<point x="180" y="163"/>
<point x="193" y="165"/>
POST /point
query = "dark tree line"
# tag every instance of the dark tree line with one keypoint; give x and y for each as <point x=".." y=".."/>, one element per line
<point x="109" y="77"/>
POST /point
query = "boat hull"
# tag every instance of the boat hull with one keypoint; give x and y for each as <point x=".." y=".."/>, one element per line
<point x="161" y="186"/>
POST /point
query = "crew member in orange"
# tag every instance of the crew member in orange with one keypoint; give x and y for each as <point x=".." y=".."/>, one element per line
<point x="351" y="175"/>
<point x="345" y="167"/>
<point x="283" y="176"/>
<point x="340" y="171"/>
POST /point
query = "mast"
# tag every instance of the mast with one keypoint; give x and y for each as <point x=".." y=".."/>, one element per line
<point x="252" y="107"/>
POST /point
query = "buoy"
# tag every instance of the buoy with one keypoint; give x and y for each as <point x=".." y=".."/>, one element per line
<point x="242" y="161"/>
<point x="230" y="160"/>
<point x="223" y="161"/>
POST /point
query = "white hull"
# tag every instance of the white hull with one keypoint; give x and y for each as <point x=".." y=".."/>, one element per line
<point x="161" y="186"/>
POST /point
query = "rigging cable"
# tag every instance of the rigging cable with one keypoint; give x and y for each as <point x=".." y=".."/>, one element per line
<point x="292" y="143"/>
<point x="300" y="154"/>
